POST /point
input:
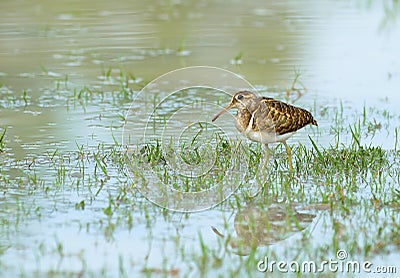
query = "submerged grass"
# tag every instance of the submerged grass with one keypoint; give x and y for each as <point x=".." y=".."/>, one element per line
<point x="343" y="195"/>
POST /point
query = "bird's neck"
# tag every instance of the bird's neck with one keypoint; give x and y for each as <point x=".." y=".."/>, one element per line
<point x="243" y="117"/>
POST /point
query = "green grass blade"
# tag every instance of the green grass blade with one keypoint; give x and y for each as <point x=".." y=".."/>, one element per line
<point x="320" y="156"/>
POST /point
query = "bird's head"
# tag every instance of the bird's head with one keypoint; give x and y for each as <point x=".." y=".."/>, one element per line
<point x="240" y="100"/>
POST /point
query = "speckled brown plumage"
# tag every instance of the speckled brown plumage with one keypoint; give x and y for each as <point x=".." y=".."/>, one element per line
<point x="281" y="117"/>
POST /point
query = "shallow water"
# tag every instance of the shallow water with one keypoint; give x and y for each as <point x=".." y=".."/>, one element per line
<point x="63" y="107"/>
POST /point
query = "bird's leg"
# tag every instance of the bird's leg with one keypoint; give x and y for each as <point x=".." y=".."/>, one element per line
<point x="289" y="153"/>
<point x="267" y="154"/>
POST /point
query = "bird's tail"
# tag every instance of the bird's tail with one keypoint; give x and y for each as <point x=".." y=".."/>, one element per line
<point x="314" y="122"/>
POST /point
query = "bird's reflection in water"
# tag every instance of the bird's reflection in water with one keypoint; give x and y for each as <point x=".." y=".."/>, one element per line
<point x="260" y="225"/>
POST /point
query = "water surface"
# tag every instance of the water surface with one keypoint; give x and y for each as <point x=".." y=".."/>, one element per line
<point x="69" y="72"/>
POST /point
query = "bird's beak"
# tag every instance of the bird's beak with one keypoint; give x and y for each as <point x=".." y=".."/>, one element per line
<point x="222" y="111"/>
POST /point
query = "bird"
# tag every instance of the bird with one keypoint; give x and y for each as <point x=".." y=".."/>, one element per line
<point x="267" y="120"/>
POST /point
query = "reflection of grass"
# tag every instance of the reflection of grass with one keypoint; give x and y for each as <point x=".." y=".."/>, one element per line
<point x="357" y="183"/>
<point x="351" y="187"/>
<point x="392" y="11"/>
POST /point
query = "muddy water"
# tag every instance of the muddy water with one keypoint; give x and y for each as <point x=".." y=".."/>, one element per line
<point x="347" y="53"/>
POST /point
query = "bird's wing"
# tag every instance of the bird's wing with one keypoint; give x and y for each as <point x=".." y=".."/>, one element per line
<point x="279" y="117"/>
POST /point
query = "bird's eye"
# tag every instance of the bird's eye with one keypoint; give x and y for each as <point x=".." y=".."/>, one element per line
<point x="239" y="97"/>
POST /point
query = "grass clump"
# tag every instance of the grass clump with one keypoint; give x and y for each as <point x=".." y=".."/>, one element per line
<point x="191" y="166"/>
<point x="2" y="141"/>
